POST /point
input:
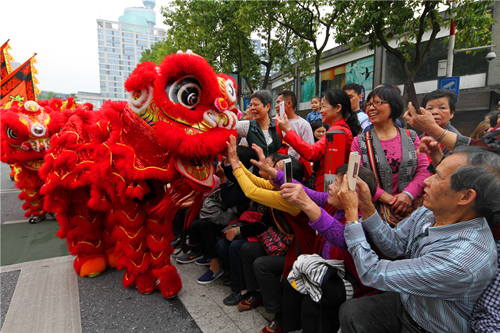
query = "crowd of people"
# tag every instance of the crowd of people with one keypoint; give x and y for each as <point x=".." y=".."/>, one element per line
<point x="412" y="249"/>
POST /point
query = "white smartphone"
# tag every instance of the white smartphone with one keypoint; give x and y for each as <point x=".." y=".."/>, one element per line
<point x="287" y="169"/>
<point x="352" y="170"/>
<point x="282" y="110"/>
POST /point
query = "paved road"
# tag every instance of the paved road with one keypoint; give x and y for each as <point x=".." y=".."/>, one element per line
<point x="40" y="291"/>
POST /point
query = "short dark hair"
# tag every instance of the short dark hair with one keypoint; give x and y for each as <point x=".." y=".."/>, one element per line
<point x="482" y="174"/>
<point x="276" y="157"/>
<point x="440" y="93"/>
<point x="289" y="96"/>
<point x="364" y="174"/>
<point x="353" y="86"/>
<point x="494" y="118"/>
<point x="390" y="95"/>
<point x="297" y="169"/>
<point x="264" y="96"/>
<point x="245" y="154"/>
<point x="316" y="97"/>
<point x="317" y="124"/>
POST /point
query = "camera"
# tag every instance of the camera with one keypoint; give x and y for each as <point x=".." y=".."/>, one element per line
<point x="491" y="56"/>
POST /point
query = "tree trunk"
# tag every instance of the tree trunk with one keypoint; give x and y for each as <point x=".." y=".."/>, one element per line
<point x="317" y="75"/>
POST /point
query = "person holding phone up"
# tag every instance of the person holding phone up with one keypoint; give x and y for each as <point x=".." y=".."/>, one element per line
<point x="401" y="171"/>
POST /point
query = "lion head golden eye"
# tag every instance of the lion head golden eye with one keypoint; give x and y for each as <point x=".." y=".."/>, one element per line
<point x="10" y="133"/>
<point x="185" y="91"/>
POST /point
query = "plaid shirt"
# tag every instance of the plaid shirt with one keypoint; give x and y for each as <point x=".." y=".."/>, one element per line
<point x="486" y="315"/>
<point x="442" y="272"/>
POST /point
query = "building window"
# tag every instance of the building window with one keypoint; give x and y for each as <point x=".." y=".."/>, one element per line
<point x="114" y="78"/>
<point x="103" y="72"/>
<point x="100" y="37"/>
<point x="127" y="46"/>
<point x="128" y="52"/>
<point x="104" y="66"/>
<point x="127" y="34"/>
<point x="128" y="40"/>
<point x="112" y="39"/>
<point x="101" y="61"/>
<point x="114" y="73"/>
<point x="139" y="53"/>
<point x="110" y="32"/>
<point x="129" y="57"/>
<point x="100" y="31"/>
<point x="102" y="78"/>
<point x="142" y="43"/>
<point x="115" y="56"/>
<point x="142" y="37"/>
<point x="102" y="49"/>
<point x="111" y="61"/>
<point x="101" y="54"/>
<point x="112" y="44"/>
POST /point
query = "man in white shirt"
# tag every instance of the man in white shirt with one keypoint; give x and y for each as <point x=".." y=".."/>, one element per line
<point x="297" y="123"/>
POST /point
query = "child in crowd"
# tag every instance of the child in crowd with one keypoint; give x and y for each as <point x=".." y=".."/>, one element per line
<point x="314" y="115"/>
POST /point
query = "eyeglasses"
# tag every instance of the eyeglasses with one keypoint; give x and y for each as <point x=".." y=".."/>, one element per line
<point x="375" y="104"/>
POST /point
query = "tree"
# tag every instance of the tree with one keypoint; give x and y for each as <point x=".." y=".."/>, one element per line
<point x="280" y="49"/>
<point x="74" y="96"/>
<point x="379" y="23"/>
<point x="49" y="96"/>
<point x="305" y="19"/>
<point x="212" y="30"/>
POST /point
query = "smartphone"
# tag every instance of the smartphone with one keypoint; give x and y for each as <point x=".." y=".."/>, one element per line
<point x="352" y="170"/>
<point x="282" y="110"/>
<point x="412" y="97"/>
<point x="287" y="169"/>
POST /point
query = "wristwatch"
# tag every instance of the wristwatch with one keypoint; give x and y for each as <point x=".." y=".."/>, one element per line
<point x="352" y="222"/>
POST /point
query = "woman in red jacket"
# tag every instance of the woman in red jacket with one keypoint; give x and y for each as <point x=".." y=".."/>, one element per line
<point x="335" y="111"/>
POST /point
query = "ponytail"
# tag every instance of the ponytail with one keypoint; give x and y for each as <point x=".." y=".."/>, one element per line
<point x="353" y="123"/>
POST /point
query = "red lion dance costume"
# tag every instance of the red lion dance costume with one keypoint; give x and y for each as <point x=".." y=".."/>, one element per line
<point x="25" y="138"/>
<point x="106" y="171"/>
<point x="26" y="131"/>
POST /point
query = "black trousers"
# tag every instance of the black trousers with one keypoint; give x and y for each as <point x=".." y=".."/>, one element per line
<point x="301" y="312"/>
<point x="203" y="234"/>
<point x="263" y="272"/>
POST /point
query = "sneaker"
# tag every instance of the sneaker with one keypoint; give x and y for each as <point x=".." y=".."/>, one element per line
<point x="250" y="303"/>
<point x="235" y="298"/>
<point x="202" y="262"/>
<point x="273" y="327"/>
<point x="188" y="257"/>
<point x="210" y="276"/>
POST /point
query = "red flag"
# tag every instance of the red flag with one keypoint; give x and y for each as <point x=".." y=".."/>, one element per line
<point x="20" y="84"/>
<point x="5" y="59"/>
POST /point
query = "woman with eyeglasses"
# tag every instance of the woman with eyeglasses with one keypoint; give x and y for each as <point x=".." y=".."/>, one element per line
<point x="394" y="152"/>
<point x="337" y="113"/>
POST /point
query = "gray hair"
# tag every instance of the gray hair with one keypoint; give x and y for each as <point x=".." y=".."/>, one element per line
<point x="264" y="96"/>
<point x="482" y="174"/>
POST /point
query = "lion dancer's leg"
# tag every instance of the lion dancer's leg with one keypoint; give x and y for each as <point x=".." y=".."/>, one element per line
<point x="84" y="229"/>
<point x="160" y="235"/>
<point x="130" y="235"/>
<point x="29" y="182"/>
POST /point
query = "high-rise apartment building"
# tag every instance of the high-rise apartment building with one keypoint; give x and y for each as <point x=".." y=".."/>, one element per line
<point x="121" y="45"/>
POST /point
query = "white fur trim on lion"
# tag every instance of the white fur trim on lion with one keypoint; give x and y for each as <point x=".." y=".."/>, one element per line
<point x="137" y="105"/>
<point x="31" y="106"/>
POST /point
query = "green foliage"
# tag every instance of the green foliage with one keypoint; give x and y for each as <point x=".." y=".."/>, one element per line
<point x="307" y="19"/>
<point x="383" y="23"/>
